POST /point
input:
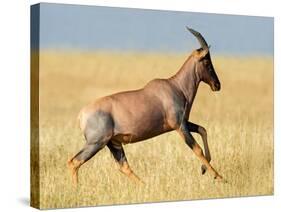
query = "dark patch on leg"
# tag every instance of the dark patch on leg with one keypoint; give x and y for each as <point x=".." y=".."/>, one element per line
<point x="184" y="132"/>
<point x="193" y="127"/>
<point x="190" y="141"/>
<point x="88" y="151"/>
<point x="119" y="155"/>
<point x="117" y="151"/>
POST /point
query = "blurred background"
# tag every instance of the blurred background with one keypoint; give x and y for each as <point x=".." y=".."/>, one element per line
<point x="119" y="29"/>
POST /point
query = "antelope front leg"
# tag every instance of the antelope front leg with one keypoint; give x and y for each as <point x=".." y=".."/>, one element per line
<point x="203" y="133"/>
<point x="190" y="141"/>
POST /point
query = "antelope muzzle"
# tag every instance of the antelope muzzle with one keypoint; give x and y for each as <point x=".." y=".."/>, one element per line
<point x="215" y="85"/>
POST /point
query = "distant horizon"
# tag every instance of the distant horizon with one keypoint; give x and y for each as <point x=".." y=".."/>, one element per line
<point x="174" y="53"/>
<point x="66" y="27"/>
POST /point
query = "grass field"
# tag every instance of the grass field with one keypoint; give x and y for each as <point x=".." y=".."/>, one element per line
<point x="238" y="119"/>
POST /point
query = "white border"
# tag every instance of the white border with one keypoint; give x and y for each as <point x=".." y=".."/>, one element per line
<point x="14" y="113"/>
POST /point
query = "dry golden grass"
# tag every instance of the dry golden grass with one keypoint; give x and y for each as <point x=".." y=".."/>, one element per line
<point x="239" y="121"/>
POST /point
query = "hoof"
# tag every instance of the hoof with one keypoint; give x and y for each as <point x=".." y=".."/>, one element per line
<point x="203" y="169"/>
<point x="220" y="179"/>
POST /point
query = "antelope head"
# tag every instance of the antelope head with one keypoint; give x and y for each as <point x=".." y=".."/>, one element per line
<point x="203" y="63"/>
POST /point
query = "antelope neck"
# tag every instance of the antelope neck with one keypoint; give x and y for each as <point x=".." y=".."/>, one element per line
<point x="187" y="80"/>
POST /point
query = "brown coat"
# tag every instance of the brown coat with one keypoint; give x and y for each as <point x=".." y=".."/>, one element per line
<point x="160" y="106"/>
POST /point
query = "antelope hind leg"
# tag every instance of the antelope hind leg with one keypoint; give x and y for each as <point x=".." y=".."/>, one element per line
<point x="73" y="166"/>
<point x="119" y="155"/>
<point x="125" y="168"/>
<point x="81" y="157"/>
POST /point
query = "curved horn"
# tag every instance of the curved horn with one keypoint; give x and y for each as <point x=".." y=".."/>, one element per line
<point x="199" y="37"/>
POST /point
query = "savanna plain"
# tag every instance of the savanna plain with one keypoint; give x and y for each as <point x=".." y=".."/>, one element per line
<point x="238" y="119"/>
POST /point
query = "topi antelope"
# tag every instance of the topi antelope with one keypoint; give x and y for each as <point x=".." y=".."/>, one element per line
<point x="160" y="106"/>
